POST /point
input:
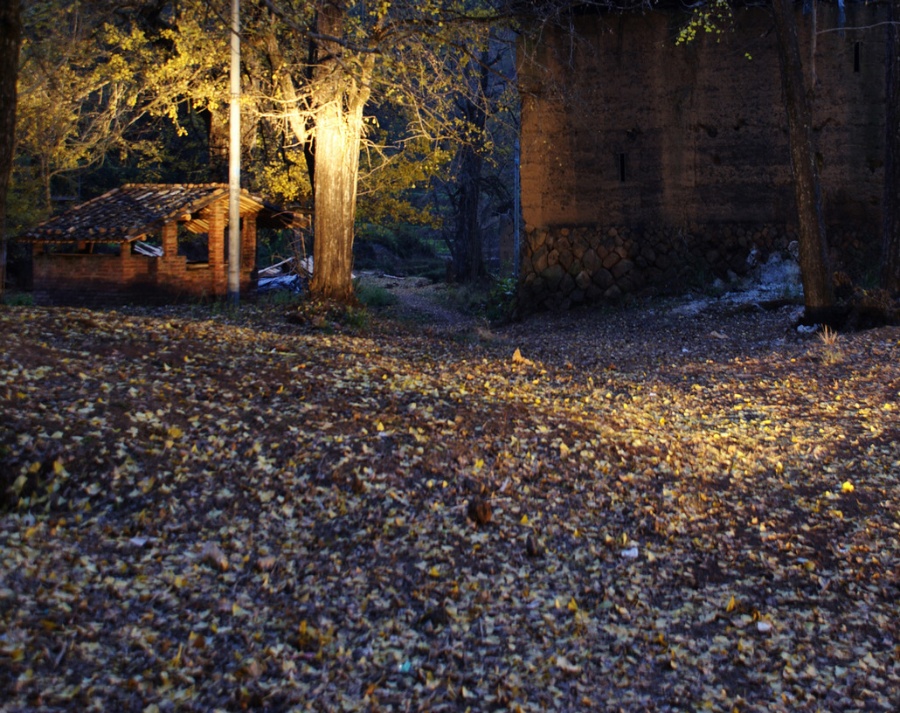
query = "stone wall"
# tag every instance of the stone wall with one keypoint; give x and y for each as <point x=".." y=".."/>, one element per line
<point x="567" y="266"/>
<point x="647" y="164"/>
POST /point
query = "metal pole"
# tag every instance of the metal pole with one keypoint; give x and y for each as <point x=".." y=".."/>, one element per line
<point x="234" y="161"/>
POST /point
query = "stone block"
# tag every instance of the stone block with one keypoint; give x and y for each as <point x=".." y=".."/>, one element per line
<point x="539" y="260"/>
<point x="590" y="261"/>
<point x="603" y="279"/>
<point x="622" y="268"/>
<point x="552" y="276"/>
<point x="613" y="293"/>
<point x="611" y="260"/>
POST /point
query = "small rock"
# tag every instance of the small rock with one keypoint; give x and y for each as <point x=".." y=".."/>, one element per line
<point x="480" y="511"/>
<point x="265" y="564"/>
<point x="434" y="618"/>
<point x="214" y="557"/>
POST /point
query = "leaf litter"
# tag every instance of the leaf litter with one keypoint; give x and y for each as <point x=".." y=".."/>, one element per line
<point x="627" y="510"/>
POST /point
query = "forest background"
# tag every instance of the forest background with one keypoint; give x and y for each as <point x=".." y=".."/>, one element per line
<point x="393" y="121"/>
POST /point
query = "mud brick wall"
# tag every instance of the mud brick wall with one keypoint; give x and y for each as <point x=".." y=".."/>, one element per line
<point x="650" y="165"/>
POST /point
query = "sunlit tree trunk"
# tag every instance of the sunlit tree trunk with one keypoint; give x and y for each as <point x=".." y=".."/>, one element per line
<point x="10" y="37"/>
<point x="818" y="291"/>
<point x="340" y="99"/>
<point x="890" y="246"/>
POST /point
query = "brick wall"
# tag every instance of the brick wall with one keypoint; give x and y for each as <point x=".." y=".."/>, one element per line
<point x="100" y="278"/>
<point x="680" y="147"/>
<point x="91" y="279"/>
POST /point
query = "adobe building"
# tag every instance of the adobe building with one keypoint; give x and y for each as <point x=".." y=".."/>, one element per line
<point x="148" y="243"/>
<point x="648" y="165"/>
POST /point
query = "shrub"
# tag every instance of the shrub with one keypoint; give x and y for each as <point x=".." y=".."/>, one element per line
<point x="375" y="296"/>
<point x="18" y="299"/>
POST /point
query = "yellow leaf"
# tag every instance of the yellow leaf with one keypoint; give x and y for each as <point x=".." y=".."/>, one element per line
<point x="572" y="605"/>
<point x="379" y="426"/>
<point x="175" y="432"/>
<point x="524" y="520"/>
<point x="479" y="464"/>
<point x="731" y="604"/>
<point x="847" y="487"/>
<point x="19" y="484"/>
<point x="176" y="662"/>
<point x="433" y="572"/>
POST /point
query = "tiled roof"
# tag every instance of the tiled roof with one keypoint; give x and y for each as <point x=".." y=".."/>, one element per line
<point x="130" y="212"/>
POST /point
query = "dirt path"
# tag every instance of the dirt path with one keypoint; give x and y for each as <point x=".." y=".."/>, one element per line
<point x="421" y="301"/>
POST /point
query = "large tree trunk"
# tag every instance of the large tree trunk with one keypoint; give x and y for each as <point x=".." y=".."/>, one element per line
<point x="468" y="257"/>
<point x="890" y="244"/>
<point x="340" y="99"/>
<point x="817" y="283"/>
<point x="338" y="133"/>
<point x="468" y="253"/>
<point x="10" y="38"/>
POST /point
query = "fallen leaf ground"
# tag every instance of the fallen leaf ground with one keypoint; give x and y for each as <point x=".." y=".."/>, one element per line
<point x="221" y="512"/>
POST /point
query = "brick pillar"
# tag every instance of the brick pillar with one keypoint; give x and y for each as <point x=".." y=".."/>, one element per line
<point x="170" y="240"/>
<point x="125" y="264"/>
<point x="164" y="268"/>
<point x="248" y="252"/>
<point x="218" y="275"/>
